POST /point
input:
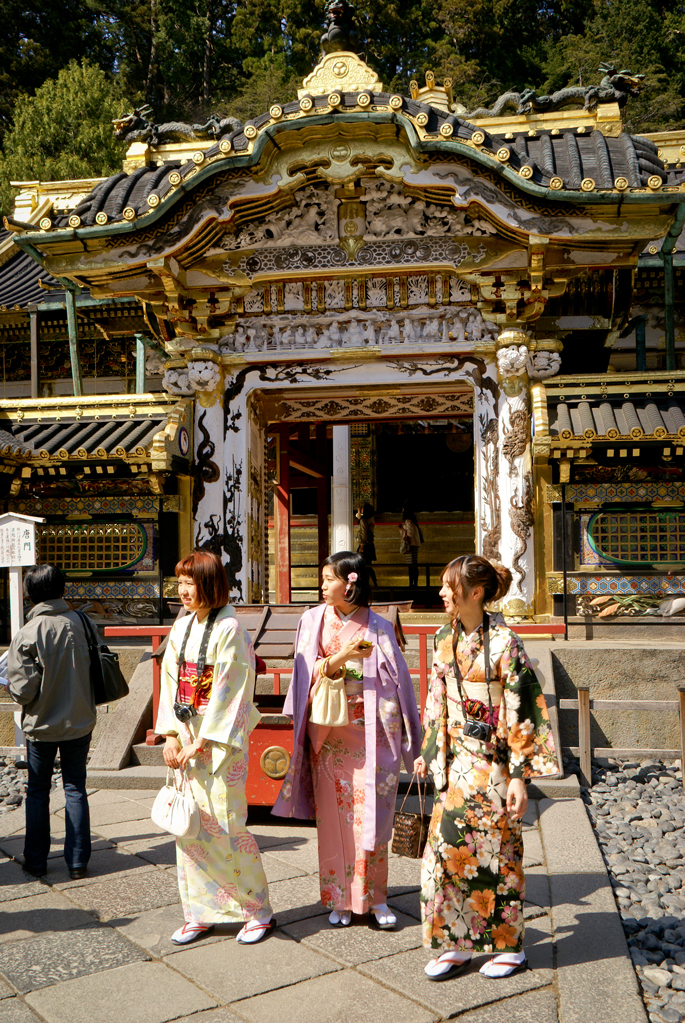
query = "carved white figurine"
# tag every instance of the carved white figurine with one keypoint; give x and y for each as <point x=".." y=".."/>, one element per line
<point x="334" y="334"/>
<point x="154" y="363"/>
<point x="512" y="361"/>
<point x="394" y="335"/>
<point x="312" y="338"/>
<point x="286" y="338"/>
<point x="354" y="335"/>
<point x="240" y="339"/>
<point x="543" y="364"/>
<point x="203" y="376"/>
<point x="369" y="333"/>
<point x="431" y="329"/>
<point x="175" y="381"/>
<point x="300" y="339"/>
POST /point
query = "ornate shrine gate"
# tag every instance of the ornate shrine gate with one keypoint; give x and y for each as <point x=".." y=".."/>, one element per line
<point x="354" y="254"/>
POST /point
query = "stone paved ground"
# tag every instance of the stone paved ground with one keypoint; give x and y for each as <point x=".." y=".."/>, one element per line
<point x="98" y="950"/>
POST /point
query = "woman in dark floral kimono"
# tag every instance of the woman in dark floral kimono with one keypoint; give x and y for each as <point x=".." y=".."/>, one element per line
<point x="482" y="739"/>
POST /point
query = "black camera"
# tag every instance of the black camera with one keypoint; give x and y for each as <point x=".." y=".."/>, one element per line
<point x="184" y="711"/>
<point x="477" y="730"/>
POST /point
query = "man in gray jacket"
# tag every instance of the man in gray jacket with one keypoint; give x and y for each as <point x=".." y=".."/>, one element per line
<point x="48" y="672"/>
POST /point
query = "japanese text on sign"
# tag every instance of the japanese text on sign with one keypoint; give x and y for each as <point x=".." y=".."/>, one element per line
<point x="17" y="543"/>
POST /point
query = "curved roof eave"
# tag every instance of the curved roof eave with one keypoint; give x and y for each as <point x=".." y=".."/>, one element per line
<point x="461" y="149"/>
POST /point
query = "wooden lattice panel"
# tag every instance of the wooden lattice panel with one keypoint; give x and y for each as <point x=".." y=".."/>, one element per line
<point x="94" y="547"/>
<point x="639" y="538"/>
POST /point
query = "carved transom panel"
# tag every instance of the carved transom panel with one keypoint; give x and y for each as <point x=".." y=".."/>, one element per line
<point x="459" y="403"/>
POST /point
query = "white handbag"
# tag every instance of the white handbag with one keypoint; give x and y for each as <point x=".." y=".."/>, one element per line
<point x="329" y="702"/>
<point x="175" y="810"/>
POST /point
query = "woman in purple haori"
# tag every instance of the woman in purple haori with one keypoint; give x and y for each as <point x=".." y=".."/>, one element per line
<point x="346" y="777"/>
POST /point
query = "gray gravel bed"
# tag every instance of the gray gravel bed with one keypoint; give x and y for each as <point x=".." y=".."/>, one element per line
<point x="13" y="781"/>
<point x="637" y="810"/>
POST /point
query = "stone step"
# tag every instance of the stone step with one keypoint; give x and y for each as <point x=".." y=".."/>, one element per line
<point x="146" y="756"/>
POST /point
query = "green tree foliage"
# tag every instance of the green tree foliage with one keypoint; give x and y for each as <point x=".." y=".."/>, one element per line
<point x="188" y="58"/>
<point x="37" y="39"/>
<point x="64" y="131"/>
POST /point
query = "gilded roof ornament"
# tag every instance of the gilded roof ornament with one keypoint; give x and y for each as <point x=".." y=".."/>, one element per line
<point x="340" y="70"/>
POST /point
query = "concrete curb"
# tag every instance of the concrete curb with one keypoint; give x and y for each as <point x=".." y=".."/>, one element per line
<point x="595" y="975"/>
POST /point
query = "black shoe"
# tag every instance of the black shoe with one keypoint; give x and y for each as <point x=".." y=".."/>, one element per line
<point x="35" y="871"/>
<point x="78" y="873"/>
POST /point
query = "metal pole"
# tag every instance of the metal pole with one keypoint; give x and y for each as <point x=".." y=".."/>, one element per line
<point x="35" y="372"/>
<point x="670" y="318"/>
<point x="70" y="297"/>
<point x="563" y="555"/>
<point x="640" y="346"/>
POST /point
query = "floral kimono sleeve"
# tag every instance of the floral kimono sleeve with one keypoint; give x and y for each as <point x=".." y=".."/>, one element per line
<point x="167" y="723"/>
<point x="525" y="725"/>
<point x="434" y="747"/>
<point x="231" y="714"/>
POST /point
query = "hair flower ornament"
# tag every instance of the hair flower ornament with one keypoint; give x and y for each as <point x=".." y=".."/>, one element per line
<point x="352" y="578"/>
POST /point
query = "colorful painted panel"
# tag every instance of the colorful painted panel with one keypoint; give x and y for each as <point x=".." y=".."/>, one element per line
<point x="643" y="538"/>
<point x="77" y="589"/>
<point x="656" y="585"/>
<point x="138" y="506"/>
<point x="610" y="493"/>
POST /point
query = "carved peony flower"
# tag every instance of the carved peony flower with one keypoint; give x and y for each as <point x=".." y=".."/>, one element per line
<point x="543" y="364"/>
<point x="512" y="361"/>
<point x="203" y="376"/>
<point x="175" y="381"/>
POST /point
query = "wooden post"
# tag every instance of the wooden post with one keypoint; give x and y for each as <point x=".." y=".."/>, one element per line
<point x="681" y="715"/>
<point x="585" y="749"/>
<point x="35" y="371"/>
<point x="282" y="516"/>
<point x="140" y="364"/>
<point x="16" y="621"/>
<point x="70" y="300"/>
<point x="321" y="496"/>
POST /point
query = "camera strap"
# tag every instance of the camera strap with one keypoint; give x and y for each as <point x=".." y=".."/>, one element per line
<point x="486" y="656"/>
<point x="202" y="656"/>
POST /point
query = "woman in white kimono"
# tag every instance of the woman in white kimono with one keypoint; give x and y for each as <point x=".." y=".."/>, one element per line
<point x="206" y="711"/>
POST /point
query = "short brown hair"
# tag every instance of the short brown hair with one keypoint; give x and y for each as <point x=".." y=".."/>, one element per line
<point x="209" y="576"/>
<point x="472" y="570"/>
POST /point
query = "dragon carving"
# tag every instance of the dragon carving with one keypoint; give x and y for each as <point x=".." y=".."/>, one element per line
<point x="204" y="470"/>
<point x="616" y="87"/>
<point x="137" y="127"/>
<point x="521" y="520"/>
<point x="493" y="535"/>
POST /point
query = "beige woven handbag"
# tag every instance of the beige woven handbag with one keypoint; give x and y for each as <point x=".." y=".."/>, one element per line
<point x="329" y="702"/>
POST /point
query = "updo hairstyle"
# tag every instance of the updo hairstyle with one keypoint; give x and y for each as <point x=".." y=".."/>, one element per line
<point x="472" y="570"/>
<point x="345" y="562"/>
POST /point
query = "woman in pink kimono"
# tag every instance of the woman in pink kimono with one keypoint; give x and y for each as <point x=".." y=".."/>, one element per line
<point x="347" y="777"/>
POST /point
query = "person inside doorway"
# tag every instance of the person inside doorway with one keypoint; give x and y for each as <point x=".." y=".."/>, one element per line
<point x="411" y="539"/>
<point x="366" y="538"/>
<point x="346" y="776"/>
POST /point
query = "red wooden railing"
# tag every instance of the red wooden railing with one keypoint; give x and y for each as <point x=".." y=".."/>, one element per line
<point x="156" y="632"/>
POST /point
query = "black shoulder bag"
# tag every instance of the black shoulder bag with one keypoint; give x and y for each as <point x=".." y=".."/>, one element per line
<point x="106" y="678"/>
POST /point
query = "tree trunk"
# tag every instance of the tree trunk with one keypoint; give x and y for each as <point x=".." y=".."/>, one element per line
<point x="152" y="66"/>
<point x="209" y="49"/>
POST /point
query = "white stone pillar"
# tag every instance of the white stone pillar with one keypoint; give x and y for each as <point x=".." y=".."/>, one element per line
<point x="515" y="474"/>
<point x="341" y="492"/>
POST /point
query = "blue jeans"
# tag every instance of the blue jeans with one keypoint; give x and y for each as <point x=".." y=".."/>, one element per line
<point x="73" y="755"/>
